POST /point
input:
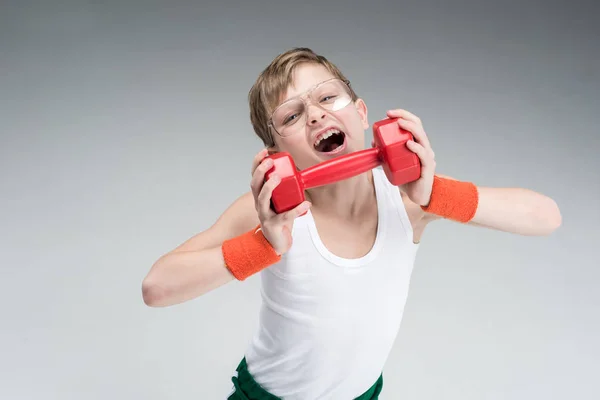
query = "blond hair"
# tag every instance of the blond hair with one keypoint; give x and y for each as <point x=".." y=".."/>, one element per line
<point x="272" y="82"/>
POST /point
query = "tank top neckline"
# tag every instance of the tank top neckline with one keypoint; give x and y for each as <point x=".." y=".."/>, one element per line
<point x="380" y="234"/>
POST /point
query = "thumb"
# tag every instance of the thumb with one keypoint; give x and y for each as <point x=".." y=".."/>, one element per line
<point x="287" y="234"/>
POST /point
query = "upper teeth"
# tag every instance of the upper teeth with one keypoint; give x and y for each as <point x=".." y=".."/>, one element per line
<point x="326" y="134"/>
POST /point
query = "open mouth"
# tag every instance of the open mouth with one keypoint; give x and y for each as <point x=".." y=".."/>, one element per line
<point x="330" y="141"/>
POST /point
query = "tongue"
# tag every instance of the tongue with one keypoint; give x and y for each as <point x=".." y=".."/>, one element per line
<point x="330" y="146"/>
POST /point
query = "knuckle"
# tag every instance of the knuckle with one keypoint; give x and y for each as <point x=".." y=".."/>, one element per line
<point x="258" y="174"/>
<point x="270" y="185"/>
<point x="274" y="181"/>
<point x="262" y="196"/>
<point x="265" y="194"/>
<point x="268" y="192"/>
<point x="266" y="163"/>
<point x="261" y="171"/>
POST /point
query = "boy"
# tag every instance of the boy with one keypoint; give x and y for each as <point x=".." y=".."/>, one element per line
<point x="338" y="261"/>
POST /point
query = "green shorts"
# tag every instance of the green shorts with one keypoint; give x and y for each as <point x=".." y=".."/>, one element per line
<point x="246" y="388"/>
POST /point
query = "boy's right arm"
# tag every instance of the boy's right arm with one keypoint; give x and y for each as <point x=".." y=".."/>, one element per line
<point x="196" y="266"/>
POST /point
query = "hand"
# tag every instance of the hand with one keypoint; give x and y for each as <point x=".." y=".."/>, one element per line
<point x="418" y="191"/>
<point x="277" y="228"/>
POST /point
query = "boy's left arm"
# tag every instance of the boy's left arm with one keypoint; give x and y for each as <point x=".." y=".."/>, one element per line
<point x="515" y="210"/>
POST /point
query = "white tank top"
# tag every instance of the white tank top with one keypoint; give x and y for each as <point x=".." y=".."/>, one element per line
<point x="327" y="324"/>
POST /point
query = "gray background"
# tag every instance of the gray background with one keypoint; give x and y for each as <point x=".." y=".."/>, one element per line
<point x="124" y="130"/>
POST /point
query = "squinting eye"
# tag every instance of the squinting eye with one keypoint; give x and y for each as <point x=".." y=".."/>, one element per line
<point x="288" y="119"/>
<point x="326" y="98"/>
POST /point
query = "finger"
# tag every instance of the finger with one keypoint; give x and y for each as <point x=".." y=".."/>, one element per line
<point x="258" y="177"/>
<point x="258" y="159"/>
<point x="417" y="131"/>
<point x="400" y="113"/>
<point x="425" y="155"/>
<point x="264" y="197"/>
<point x="296" y="211"/>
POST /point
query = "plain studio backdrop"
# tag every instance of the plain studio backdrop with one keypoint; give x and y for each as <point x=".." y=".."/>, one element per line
<point x="125" y="130"/>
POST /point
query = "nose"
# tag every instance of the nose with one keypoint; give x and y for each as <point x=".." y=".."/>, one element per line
<point x="314" y="113"/>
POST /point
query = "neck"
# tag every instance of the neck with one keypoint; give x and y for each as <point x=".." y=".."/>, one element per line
<point x="347" y="198"/>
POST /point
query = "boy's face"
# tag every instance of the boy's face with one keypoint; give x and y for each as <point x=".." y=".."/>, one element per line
<point x="343" y="128"/>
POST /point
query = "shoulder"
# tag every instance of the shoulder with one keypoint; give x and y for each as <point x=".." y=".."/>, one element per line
<point x="239" y="217"/>
<point x="419" y="219"/>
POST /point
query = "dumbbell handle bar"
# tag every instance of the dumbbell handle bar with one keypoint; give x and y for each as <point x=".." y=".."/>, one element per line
<point x="341" y="168"/>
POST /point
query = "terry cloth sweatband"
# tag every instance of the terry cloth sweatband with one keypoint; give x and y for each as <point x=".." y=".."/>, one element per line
<point x="454" y="200"/>
<point x="248" y="254"/>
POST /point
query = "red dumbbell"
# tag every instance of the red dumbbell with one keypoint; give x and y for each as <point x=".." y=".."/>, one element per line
<point x="399" y="164"/>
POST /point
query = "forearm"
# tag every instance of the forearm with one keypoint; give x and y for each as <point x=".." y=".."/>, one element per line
<point x="181" y="276"/>
<point x="516" y="210"/>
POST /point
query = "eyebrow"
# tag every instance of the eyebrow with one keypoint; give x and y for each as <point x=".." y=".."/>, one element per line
<point x="307" y="90"/>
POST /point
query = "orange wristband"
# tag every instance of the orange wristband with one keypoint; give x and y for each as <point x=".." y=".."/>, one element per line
<point x="248" y="254"/>
<point x="455" y="200"/>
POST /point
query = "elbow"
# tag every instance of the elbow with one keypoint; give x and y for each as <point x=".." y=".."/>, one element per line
<point x="152" y="293"/>
<point x="154" y="287"/>
<point x="556" y="218"/>
<point x="549" y="216"/>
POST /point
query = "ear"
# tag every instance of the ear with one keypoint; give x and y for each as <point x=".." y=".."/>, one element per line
<point x="361" y="107"/>
<point x="274" y="148"/>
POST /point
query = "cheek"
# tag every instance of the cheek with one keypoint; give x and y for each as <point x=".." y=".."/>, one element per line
<point x="297" y="146"/>
<point x="293" y="143"/>
<point x="354" y="123"/>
